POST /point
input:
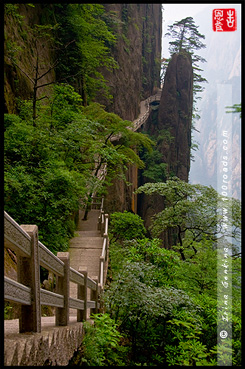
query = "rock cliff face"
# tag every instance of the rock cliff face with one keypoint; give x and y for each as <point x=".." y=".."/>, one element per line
<point x="138" y="29"/>
<point x="17" y="81"/>
<point x="137" y="52"/>
<point x="175" y="114"/>
<point x="174" y="121"/>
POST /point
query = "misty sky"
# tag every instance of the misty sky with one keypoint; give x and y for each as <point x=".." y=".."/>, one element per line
<point x="176" y="11"/>
<point x="220" y="67"/>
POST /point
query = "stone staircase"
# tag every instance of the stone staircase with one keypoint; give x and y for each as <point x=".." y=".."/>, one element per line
<point x="85" y="248"/>
<point x="56" y="345"/>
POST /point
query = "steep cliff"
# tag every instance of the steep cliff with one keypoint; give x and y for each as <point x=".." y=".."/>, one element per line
<point x="137" y="52"/>
<point x="171" y="127"/>
<point x="175" y="114"/>
<point x="20" y="46"/>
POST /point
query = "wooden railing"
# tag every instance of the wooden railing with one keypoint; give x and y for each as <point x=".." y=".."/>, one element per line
<point x="31" y="254"/>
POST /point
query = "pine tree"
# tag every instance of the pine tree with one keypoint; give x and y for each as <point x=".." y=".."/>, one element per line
<point x="187" y="37"/>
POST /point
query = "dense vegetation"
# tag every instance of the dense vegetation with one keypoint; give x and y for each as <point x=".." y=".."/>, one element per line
<point x="160" y="309"/>
<point x="161" y="305"/>
<point x="57" y="145"/>
<point x="51" y="166"/>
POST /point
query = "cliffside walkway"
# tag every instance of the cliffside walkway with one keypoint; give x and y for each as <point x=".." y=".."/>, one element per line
<point x="53" y="340"/>
<point x="144" y="113"/>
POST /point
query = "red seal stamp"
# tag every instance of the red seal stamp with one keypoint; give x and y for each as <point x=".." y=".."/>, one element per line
<point x="224" y="20"/>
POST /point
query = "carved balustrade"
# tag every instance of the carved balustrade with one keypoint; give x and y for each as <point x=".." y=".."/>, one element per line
<point x="31" y="254"/>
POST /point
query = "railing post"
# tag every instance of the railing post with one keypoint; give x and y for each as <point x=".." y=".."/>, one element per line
<point x="101" y="308"/>
<point x="102" y="227"/>
<point x="94" y="296"/>
<point x="102" y="202"/>
<point x="63" y="288"/>
<point x="105" y="235"/>
<point x="29" y="275"/>
<point x="99" y="222"/>
<point x="101" y="270"/>
<point x="82" y="294"/>
<point x="107" y="248"/>
<point x="106" y="218"/>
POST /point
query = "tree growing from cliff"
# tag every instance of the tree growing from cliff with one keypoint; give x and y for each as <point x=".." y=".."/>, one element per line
<point x="236" y="108"/>
<point x="195" y="211"/>
<point x="186" y="37"/>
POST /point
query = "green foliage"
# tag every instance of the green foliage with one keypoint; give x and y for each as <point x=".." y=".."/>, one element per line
<point x="101" y="343"/>
<point x="7" y="310"/>
<point x="236" y="108"/>
<point x="85" y="39"/>
<point x="186" y="35"/>
<point x="12" y="10"/>
<point x="167" y="307"/>
<point x="190" y="353"/>
<point x="193" y="210"/>
<point x="155" y="170"/>
<point x="141" y="309"/>
<point x="126" y="225"/>
<point x="49" y="167"/>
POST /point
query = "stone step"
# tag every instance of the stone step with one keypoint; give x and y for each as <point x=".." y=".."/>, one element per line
<point x="86" y="242"/>
<point x="91" y="224"/>
<point x="87" y="234"/>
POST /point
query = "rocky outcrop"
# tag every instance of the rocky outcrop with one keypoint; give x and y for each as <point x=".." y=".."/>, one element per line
<point x="173" y="122"/>
<point x="175" y="115"/>
<point x="137" y="51"/>
<point x="138" y="29"/>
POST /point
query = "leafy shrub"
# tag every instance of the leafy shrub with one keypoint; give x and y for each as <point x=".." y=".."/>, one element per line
<point x="141" y="309"/>
<point x="101" y="343"/>
<point x="167" y="307"/>
<point x="126" y="226"/>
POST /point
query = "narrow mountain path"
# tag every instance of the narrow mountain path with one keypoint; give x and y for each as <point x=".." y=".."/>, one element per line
<point x="85" y="248"/>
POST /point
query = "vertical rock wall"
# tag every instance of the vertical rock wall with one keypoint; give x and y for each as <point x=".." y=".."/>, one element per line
<point x="174" y="118"/>
<point x="138" y="53"/>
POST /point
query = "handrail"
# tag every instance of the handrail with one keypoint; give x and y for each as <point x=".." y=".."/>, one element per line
<point x="103" y="223"/>
<point x="31" y="254"/>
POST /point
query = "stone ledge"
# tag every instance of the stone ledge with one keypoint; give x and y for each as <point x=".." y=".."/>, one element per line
<point x="53" y="346"/>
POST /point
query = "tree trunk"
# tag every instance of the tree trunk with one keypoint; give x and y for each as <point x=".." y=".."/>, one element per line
<point x="180" y="241"/>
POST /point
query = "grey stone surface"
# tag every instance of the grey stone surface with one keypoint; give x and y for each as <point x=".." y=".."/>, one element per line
<point x="52" y="346"/>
